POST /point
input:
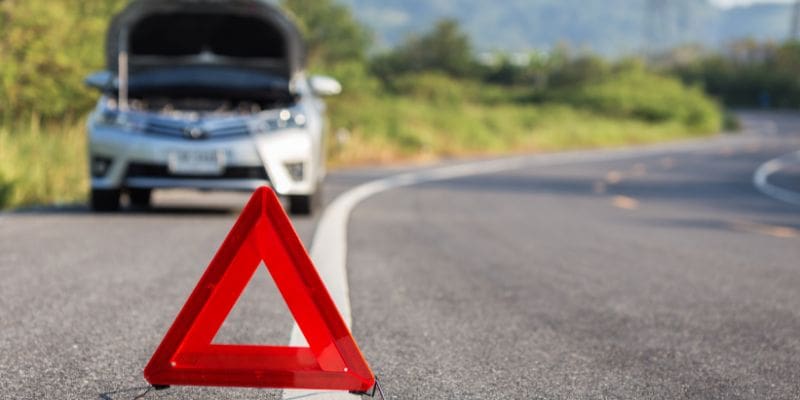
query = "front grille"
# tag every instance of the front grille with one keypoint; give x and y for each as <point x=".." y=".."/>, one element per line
<point x="211" y="130"/>
<point x="166" y="129"/>
<point x="143" y="170"/>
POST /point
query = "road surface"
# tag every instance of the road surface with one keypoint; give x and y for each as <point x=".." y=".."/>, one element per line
<point x="663" y="273"/>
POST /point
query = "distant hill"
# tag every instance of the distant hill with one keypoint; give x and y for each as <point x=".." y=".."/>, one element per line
<point x="765" y="21"/>
<point x="610" y="27"/>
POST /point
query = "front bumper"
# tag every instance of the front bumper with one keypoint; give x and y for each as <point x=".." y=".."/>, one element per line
<point x="138" y="160"/>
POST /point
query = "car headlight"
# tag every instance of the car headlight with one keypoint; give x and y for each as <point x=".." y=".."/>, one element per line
<point x="120" y="120"/>
<point x="285" y="119"/>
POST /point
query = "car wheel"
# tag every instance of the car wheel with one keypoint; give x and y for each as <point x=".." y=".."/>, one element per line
<point x="305" y="204"/>
<point x="301" y="204"/>
<point x="104" y="200"/>
<point x="140" y="197"/>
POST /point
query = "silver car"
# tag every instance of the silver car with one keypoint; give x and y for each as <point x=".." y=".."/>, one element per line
<point x="206" y="95"/>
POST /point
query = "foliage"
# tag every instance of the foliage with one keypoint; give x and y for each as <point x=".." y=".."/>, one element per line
<point x="42" y="164"/>
<point x="586" y="69"/>
<point x="422" y="122"/>
<point x="445" y="49"/>
<point x="47" y="48"/>
<point x="748" y="74"/>
<point x="331" y="32"/>
<point x="645" y="96"/>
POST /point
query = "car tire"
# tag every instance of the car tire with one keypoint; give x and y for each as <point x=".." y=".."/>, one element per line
<point x="104" y="200"/>
<point x="305" y="204"/>
<point x="301" y="204"/>
<point x="140" y="198"/>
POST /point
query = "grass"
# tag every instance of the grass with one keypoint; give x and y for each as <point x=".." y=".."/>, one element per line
<point x="42" y="164"/>
<point x="416" y="132"/>
<point x="434" y="117"/>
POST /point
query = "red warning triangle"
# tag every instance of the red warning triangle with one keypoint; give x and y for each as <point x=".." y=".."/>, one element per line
<point x="187" y="356"/>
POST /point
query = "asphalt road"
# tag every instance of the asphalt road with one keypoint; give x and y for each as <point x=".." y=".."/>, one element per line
<point x="666" y="275"/>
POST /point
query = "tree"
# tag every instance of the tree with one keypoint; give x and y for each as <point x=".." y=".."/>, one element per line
<point x="47" y="48"/>
<point x="332" y="33"/>
<point x="445" y="49"/>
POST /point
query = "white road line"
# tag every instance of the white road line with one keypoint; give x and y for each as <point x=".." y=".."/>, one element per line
<point x="329" y="247"/>
<point x="762" y="174"/>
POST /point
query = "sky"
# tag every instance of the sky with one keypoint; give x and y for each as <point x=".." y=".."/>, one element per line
<point x="733" y="3"/>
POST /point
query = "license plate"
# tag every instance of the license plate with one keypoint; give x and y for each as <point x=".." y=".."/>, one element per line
<point x="197" y="162"/>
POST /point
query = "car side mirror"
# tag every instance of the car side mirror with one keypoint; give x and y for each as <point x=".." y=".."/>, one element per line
<point x="100" y="80"/>
<point x="324" y="86"/>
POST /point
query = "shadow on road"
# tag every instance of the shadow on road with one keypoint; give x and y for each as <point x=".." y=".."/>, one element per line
<point x="130" y="393"/>
<point x="81" y="209"/>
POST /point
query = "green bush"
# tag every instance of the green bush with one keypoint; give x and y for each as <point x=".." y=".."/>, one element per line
<point x="645" y="96"/>
<point x="6" y="190"/>
<point x="332" y="33"/>
<point x="748" y="74"/>
<point x="434" y="88"/>
<point x="43" y="163"/>
<point x="445" y="49"/>
<point x="47" y="48"/>
<point x="354" y="77"/>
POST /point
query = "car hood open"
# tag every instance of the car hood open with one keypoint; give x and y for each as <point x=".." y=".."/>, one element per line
<point x="205" y="35"/>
